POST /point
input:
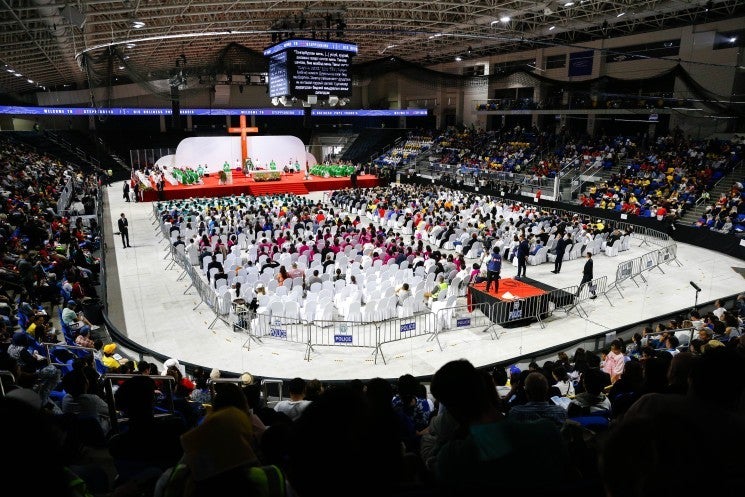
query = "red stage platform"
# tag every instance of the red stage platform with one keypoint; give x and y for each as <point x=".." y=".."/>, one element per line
<point x="290" y="183"/>
<point x="518" y="288"/>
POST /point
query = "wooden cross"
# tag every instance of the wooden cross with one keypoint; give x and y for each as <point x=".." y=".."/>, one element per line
<point x="243" y="130"/>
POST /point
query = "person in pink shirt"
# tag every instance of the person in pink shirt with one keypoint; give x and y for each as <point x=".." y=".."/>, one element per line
<point x="614" y="362"/>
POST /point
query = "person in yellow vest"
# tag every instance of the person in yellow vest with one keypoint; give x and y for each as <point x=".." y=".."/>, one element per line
<point x="110" y="359"/>
<point x="440" y="286"/>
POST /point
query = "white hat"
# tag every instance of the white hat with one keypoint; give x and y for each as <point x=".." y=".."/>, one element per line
<point x="173" y="363"/>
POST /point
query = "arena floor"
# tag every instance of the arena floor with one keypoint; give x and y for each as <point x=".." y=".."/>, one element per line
<point x="148" y="304"/>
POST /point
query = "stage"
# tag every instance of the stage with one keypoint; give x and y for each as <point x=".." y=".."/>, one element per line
<point x="516" y="303"/>
<point x="241" y="184"/>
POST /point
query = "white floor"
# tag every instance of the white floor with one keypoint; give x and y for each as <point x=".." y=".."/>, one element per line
<point x="159" y="316"/>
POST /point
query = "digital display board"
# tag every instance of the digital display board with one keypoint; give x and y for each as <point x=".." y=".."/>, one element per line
<point x="299" y="68"/>
<point x="137" y="111"/>
<point x="368" y="113"/>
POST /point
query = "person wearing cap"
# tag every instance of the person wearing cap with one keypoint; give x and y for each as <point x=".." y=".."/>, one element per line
<point x="108" y="360"/>
<point x="74" y="320"/>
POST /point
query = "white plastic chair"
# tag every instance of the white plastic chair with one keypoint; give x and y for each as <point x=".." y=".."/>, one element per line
<point x="354" y="312"/>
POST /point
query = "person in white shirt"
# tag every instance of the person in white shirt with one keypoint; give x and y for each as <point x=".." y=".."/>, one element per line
<point x="719" y="309"/>
<point x="296" y="405"/>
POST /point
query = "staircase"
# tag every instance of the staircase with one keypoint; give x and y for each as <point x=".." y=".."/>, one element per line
<point x="721" y="186"/>
<point x="350" y="140"/>
<point x="270" y="188"/>
<point x="371" y="142"/>
<point x="570" y="189"/>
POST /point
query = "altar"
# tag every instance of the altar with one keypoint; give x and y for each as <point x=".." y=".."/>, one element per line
<point x="266" y="175"/>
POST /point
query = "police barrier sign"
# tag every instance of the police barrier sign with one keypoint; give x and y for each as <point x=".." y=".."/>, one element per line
<point x="516" y="312"/>
<point x="342" y="338"/>
<point x="277" y="331"/>
<point x="463" y="322"/>
<point x="406" y="327"/>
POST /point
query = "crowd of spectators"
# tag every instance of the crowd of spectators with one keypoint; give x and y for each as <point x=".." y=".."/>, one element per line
<point x="667" y="179"/>
<point x="727" y="213"/>
<point x="576" y="419"/>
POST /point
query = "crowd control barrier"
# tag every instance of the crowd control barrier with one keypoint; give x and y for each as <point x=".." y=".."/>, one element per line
<point x="634" y="269"/>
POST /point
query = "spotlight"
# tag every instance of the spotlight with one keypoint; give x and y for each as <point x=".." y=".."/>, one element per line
<point x="458" y="58"/>
<point x="504" y="19"/>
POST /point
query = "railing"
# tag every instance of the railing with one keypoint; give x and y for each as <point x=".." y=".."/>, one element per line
<point x="108" y="379"/>
<point x="636" y="267"/>
<point x="4" y="376"/>
<point x="373" y="334"/>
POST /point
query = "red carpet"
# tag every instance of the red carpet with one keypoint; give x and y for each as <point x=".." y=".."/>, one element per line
<point x="290" y="183"/>
<point x="517" y="288"/>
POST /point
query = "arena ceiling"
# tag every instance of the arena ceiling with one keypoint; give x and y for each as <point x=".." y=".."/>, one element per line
<point x="50" y="43"/>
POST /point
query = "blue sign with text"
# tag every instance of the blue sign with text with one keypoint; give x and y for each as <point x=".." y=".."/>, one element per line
<point x="406" y="327"/>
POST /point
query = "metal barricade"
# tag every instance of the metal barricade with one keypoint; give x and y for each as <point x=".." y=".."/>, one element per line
<point x="508" y="313"/>
<point x="571" y="298"/>
<point x="464" y="317"/>
<point x="668" y="254"/>
<point x="343" y="333"/>
<point x="396" y="329"/>
<point x="283" y="328"/>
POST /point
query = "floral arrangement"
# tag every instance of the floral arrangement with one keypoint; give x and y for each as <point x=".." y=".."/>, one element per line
<point x="268" y="176"/>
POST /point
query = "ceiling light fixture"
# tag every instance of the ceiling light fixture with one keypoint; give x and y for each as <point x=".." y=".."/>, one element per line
<point x="552" y="28"/>
<point x="30" y="81"/>
<point x="504" y="19"/>
<point x="17" y="74"/>
<point x="568" y="4"/>
<point x="130" y="45"/>
<point x="458" y="58"/>
<point x="11" y="71"/>
<point x="137" y="24"/>
<point x="621" y="14"/>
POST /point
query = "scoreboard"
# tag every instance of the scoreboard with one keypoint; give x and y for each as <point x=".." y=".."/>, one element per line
<point x="298" y="68"/>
